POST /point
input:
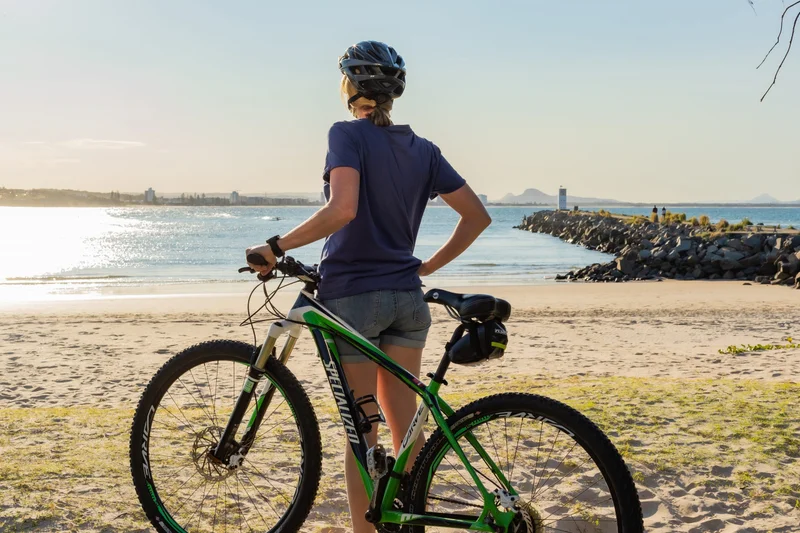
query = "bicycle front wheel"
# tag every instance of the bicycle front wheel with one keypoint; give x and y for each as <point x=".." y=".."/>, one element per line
<point x="179" y="421"/>
<point x="543" y="459"/>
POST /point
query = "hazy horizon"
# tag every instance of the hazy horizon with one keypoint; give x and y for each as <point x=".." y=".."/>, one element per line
<point x="638" y="103"/>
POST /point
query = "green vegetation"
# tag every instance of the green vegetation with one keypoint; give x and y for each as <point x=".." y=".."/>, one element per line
<point x="704" y="220"/>
<point x="654" y="217"/>
<point x="722" y="225"/>
<point x="694" y="222"/>
<point x="745" y="348"/>
<point x="673" y="218"/>
<point x="669" y="431"/>
<point x="741" y="226"/>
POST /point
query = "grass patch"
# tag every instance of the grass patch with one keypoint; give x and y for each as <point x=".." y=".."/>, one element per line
<point x="745" y="348"/>
<point x="720" y="430"/>
<point x="67" y="468"/>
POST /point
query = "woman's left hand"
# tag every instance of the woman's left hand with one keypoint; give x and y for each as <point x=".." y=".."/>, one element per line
<point x="266" y="252"/>
<point x="425" y="269"/>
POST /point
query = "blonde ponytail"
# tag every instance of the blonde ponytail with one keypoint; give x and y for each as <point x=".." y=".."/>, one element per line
<point x="380" y="115"/>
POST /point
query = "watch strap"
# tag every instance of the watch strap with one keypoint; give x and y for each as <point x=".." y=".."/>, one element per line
<point x="273" y="244"/>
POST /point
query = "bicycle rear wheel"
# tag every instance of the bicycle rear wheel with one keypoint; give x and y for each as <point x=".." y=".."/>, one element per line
<point x="567" y="474"/>
<point x="179" y="420"/>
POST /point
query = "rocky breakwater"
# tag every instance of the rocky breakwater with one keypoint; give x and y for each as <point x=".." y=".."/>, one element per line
<point x="651" y="250"/>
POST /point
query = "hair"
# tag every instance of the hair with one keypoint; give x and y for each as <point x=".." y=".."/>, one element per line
<point x="380" y="115"/>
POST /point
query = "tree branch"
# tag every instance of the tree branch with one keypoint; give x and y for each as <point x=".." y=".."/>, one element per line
<point x="780" y="32"/>
<point x="791" y="39"/>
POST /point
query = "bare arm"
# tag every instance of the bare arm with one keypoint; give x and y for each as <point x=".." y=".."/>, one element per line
<point x="336" y="214"/>
<point x="333" y="216"/>
<point x="474" y="219"/>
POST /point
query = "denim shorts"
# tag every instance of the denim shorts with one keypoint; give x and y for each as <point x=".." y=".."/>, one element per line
<point x="396" y="317"/>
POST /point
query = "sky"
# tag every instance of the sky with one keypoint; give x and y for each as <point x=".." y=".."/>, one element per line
<point x="632" y="100"/>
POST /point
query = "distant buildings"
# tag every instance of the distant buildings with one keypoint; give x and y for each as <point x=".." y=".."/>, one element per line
<point x="150" y="196"/>
<point x="234" y="198"/>
<point x="483" y="198"/>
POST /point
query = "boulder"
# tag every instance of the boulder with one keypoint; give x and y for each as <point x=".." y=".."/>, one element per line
<point x="673" y="255"/>
<point x="767" y="269"/>
<point x="711" y="257"/>
<point x="764" y="280"/>
<point x="752" y="261"/>
<point x="659" y="254"/>
<point x="683" y="245"/>
<point x="728" y="275"/>
<point x="790" y="268"/>
<point x="714" y="276"/>
<point x="752" y="241"/>
<point x="773" y="255"/>
<point x="795" y="241"/>
<point x="712" y="249"/>
<point x="625" y="266"/>
<point x="646" y="244"/>
<point x="728" y="264"/>
<point x="644" y="254"/>
<point x="736" y="244"/>
<point x="797" y="281"/>
<point x="731" y="254"/>
<point x="771" y="240"/>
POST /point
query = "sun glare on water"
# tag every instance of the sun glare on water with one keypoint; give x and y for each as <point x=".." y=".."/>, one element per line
<point x="38" y="244"/>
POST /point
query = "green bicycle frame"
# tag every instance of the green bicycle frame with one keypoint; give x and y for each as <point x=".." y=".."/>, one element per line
<point x="325" y="327"/>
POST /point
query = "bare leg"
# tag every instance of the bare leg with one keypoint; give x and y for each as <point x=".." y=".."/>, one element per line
<point x="399" y="403"/>
<point x="361" y="377"/>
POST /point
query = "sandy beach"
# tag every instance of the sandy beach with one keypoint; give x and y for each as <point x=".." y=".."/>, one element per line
<point x="713" y="439"/>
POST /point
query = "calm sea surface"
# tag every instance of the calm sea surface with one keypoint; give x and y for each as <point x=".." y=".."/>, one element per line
<point x="83" y="249"/>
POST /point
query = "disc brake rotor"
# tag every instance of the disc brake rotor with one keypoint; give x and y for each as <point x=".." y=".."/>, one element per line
<point x="207" y="466"/>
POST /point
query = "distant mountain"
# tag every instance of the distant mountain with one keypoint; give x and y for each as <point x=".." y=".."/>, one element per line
<point x="769" y="199"/>
<point x="764" y="199"/>
<point x="535" y="196"/>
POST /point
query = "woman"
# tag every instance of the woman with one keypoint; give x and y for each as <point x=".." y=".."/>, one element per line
<point x="378" y="179"/>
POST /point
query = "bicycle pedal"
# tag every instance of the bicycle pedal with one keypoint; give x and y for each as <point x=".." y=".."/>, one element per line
<point x="377" y="464"/>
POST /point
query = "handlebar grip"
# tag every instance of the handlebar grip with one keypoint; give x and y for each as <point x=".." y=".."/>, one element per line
<point x="256" y="259"/>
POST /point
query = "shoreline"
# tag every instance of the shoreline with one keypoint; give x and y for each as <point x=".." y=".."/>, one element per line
<point x="231" y="297"/>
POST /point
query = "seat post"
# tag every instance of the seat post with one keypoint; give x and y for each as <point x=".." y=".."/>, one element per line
<point x="445" y="362"/>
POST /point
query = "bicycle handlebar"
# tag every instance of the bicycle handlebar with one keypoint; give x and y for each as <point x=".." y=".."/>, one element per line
<point x="289" y="266"/>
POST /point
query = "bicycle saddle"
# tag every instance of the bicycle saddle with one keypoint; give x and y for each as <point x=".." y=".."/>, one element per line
<point x="477" y="306"/>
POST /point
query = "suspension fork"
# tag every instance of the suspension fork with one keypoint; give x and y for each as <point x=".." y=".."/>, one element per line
<point x="227" y="445"/>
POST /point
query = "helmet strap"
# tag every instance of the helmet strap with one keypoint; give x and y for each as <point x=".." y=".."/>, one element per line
<point x="379" y="98"/>
<point x="353" y="98"/>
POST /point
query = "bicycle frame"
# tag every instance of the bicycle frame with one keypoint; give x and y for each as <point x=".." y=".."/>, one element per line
<point x="325" y="327"/>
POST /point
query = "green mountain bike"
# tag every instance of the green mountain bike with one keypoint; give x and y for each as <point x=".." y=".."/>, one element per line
<point x="225" y="439"/>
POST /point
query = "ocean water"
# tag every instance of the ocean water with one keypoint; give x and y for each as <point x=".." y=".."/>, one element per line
<point x="86" y="249"/>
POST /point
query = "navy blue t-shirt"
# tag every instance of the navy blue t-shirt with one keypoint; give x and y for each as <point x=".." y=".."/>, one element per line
<point x="399" y="172"/>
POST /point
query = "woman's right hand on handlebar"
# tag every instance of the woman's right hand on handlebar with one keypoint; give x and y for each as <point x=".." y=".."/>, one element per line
<point x="269" y="258"/>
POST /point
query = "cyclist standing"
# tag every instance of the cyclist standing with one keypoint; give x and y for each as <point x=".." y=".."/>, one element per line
<point x="378" y="179"/>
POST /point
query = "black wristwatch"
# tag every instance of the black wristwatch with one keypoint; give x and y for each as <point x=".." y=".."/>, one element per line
<point x="273" y="244"/>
